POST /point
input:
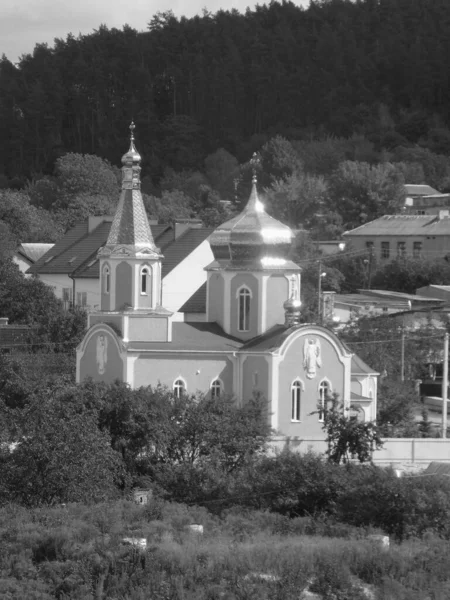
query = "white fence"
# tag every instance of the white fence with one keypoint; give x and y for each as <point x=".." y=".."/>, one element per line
<point x="395" y="450"/>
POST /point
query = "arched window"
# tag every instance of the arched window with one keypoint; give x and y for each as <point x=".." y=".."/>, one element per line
<point x="244" y="309"/>
<point x="324" y="392"/>
<point x="145" y="280"/>
<point x="179" y="388"/>
<point x="296" y="395"/>
<point x="216" y="388"/>
<point x="106" y="279"/>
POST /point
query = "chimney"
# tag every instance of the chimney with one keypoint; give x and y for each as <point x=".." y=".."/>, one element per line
<point x="94" y="222"/>
<point x="4" y="321"/>
<point x="182" y="225"/>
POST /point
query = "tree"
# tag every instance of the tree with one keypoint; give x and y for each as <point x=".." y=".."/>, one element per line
<point x="171" y="206"/>
<point x="84" y="175"/>
<point x="222" y="169"/>
<point x="361" y="192"/>
<point x="26" y="222"/>
<point x="346" y="435"/>
<point x="408" y="274"/>
<point x="61" y="455"/>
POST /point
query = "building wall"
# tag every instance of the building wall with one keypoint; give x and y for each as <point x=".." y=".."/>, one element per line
<point x="216" y="296"/>
<point x="432" y="246"/>
<point x="277" y="294"/>
<point x="58" y="282"/>
<point x="124" y="285"/>
<point x="255" y="378"/>
<point x="100" y="357"/>
<point x="250" y="281"/>
<point x="419" y="451"/>
<point x="198" y="371"/>
<point x="334" y="370"/>
<point x="187" y="277"/>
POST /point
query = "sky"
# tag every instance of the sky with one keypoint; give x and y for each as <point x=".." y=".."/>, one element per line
<point x="25" y="23"/>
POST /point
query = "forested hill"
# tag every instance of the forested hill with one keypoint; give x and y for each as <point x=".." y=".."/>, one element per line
<point x="373" y="67"/>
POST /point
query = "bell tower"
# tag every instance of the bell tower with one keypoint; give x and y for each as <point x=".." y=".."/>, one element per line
<point x="252" y="275"/>
<point x="130" y="264"/>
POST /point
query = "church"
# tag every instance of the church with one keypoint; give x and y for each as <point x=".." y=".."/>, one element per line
<point x="252" y="340"/>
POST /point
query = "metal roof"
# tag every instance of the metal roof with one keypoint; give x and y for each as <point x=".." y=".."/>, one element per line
<point x="398" y="225"/>
<point x="419" y="190"/>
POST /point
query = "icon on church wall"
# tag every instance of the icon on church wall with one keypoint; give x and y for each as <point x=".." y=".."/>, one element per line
<point x="312" y="359"/>
<point x="102" y="353"/>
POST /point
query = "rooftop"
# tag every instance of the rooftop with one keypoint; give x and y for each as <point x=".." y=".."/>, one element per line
<point x="398" y="225"/>
<point x="419" y="189"/>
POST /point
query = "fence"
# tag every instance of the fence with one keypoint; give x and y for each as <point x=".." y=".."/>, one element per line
<point x="419" y="451"/>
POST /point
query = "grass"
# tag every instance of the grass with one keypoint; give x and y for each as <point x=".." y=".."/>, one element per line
<point x="76" y="552"/>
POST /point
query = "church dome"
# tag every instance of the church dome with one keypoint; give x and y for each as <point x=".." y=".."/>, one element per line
<point x="253" y="237"/>
<point x="132" y="157"/>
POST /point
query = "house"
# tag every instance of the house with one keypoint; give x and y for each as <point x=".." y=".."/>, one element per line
<point x="397" y="236"/>
<point x="27" y="254"/>
<point x="71" y="267"/>
<point x="251" y="340"/>
<point x="424" y="200"/>
<point x="435" y="291"/>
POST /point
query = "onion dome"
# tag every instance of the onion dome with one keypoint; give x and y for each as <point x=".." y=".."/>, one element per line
<point x="130" y="232"/>
<point x="292" y="311"/>
<point x="252" y="238"/>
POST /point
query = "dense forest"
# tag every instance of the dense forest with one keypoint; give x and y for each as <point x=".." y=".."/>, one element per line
<point x="374" y="68"/>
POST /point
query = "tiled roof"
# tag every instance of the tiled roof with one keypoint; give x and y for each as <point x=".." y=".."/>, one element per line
<point x="196" y="303"/>
<point x="82" y="245"/>
<point x="130" y="226"/>
<point x="397" y="225"/>
<point x="33" y="252"/>
<point x="419" y="190"/>
<point x="386" y="294"/>
<point x="193" y="336"/>
<point x="180" y="248"/>
<point x="77" y="253"/>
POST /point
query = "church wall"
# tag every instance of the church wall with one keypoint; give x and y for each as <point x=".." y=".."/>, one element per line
<point x="291" y="368"/>
<point x="216" y="291"/>
<point x="255" y="378"/>
<point x="145" y="300"/>
<point x="251" y="283"/>
<point x="277" y="294"/>
<point x="141" y="329"/>
<point x="124" y="285"/>
<point x="100" y="363"/>
<point x="114" y="320"/>
<point x="197" y="371"/>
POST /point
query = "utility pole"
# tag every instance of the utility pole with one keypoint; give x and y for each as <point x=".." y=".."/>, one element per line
<point x="402" y="370"/>
<point x="369" y="275"/>
<point x="445" y="387"/>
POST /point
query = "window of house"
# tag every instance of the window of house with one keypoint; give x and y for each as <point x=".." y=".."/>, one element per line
<point x="106" y="279"/>
<point x="296" y="394"/>
<point x="216" y="388"/>
<point x="417" y="249"/>
<point x="244" y="309"/>
<point x="401" y="249"/>
<point x="145" y="280"/>
<point x="385" y="250"/>
<point x="179" y="388"/>
<point x="324" y="392"/>
<point x="81" y="298"/>
<point x="369" y="245"/>
<point x="420" y="212"/>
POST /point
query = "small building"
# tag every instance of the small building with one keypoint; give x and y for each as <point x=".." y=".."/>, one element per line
<point x="251" y="340"/>
<point x="399" y="236"/>
<point x="424" y="200"/>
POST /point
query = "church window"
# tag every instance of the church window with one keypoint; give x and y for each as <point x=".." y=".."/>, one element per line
<point x="145" y="280"/>
<point x="324" y="392"/>
<point x="296" y="394"/>
<point x="179" y="388"/>
<point x="244" y="309"/>
<point x="106" y="279"/>
<point x="216" y="389"/>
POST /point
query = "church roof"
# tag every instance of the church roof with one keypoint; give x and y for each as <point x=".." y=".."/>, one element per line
<point x="197" y="302"/>
<point x="359" y="367"/>
<point x="130" y="228"/>
<point x="253" y="237"/>
<point x="180" y="248"/>
<point x="191" y="337"/>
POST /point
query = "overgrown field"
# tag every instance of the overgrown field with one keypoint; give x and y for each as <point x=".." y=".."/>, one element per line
<point x="77" y="552"/>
